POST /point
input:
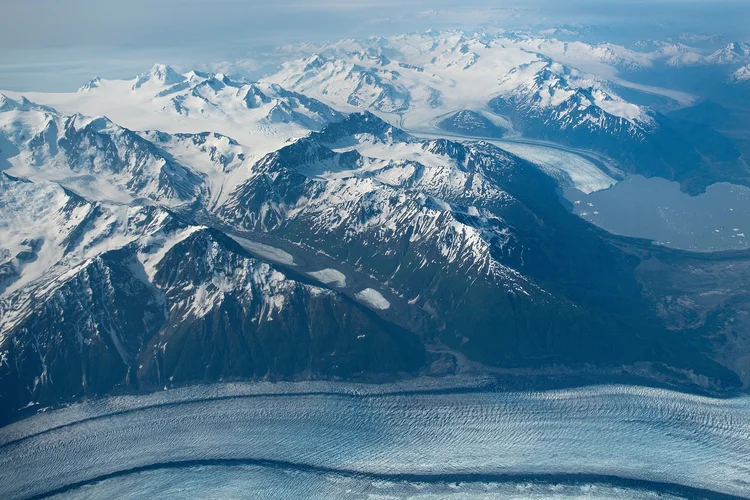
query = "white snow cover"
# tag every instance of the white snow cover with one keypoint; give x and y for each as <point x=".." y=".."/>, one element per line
<point x="162" y="99"/>
<point x="569" y="169"/>
<point x="742" y="75"/>
<point x="414" y="79"/>
<point x="411" y="80"/>
<point x="330" y="277"/>
<point x="272" y="286"/>
<point x="732" y="53"/>
<point x="35" y="212"/>
<point x="571" y="96"/>
<point x="158" y="76"/>
<point x="164" y="243"/>
<point x="92" y="156"/>
<point x="267" y="251"/>
<point x="71" y="234"/>
<point x="222" y="162"/>
<point x="373" y="298"/>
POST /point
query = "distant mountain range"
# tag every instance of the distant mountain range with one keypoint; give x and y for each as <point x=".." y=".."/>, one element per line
<point x="335" y="220"/>
<point x="495" y="85"/>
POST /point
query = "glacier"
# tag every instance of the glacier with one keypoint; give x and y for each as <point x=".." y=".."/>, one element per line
<point x="456" y="437"/>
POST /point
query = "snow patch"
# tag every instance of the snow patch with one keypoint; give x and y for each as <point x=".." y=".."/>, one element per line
<point x="330" y="277"/>
<point x="267" y="251"/>
<point x="373" y="298"/>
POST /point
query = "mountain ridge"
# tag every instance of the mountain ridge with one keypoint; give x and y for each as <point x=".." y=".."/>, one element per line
<point x="330" y="244"/>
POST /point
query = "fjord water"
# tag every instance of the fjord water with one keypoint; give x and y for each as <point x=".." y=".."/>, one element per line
<point x="326" y="440"/>
<point x="655" y="208"/>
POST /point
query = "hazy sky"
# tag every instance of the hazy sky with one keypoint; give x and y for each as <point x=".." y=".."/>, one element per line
<point x="60" y="44"/>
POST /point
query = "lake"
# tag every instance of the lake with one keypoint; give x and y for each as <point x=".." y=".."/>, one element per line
<point x="656" y="209"/>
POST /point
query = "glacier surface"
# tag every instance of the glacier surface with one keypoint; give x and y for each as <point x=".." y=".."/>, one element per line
<point x="452" y="438"/>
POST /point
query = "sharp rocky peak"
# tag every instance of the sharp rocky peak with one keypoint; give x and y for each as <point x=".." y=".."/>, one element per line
<point x="361" y="123"/>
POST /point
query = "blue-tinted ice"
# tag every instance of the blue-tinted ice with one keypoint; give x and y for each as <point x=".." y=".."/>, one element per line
<point x="318" y="440"/>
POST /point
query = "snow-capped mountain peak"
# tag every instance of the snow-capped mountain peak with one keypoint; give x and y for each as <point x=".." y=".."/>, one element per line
<point x="158" y="75"/>
<point x="20" y="104"/>
<point x="92" y="84"/>
<point x="92" y="156"/>
<point x="742" y="75"/>
<point x="569" y="99"/>
<point x="732" y="53"/>
<point x="254" y="97"/>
